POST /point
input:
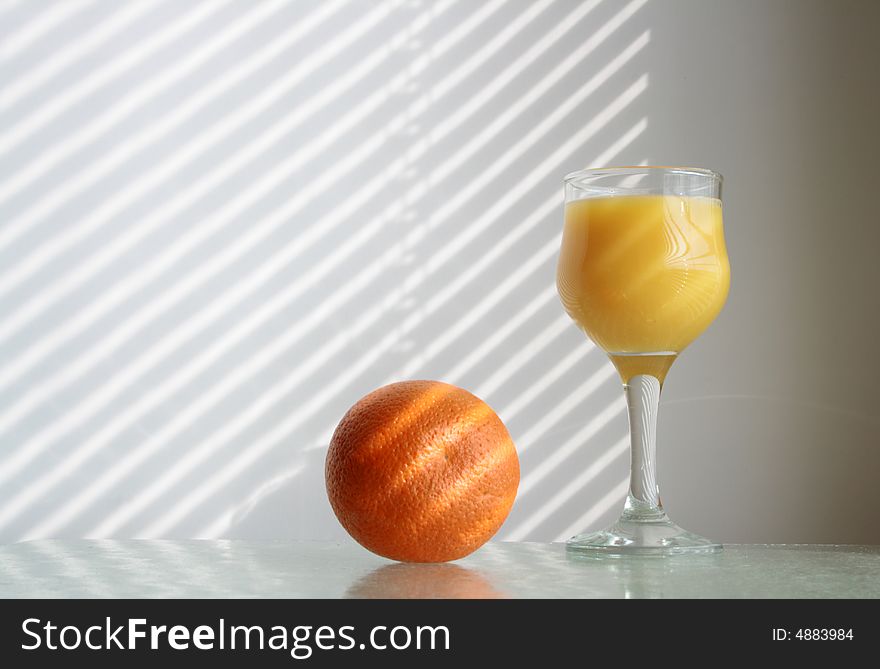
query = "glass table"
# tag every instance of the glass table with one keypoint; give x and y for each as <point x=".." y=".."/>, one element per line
<point x="148" y="568"/>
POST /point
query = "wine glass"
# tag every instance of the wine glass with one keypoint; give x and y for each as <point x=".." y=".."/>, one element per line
<point x="643" y="270"/>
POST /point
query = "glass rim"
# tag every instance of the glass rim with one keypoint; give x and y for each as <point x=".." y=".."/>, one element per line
<point x="623" y="169"/>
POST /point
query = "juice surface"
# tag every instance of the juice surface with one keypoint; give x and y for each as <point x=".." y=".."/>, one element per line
<point x="643" y="273"/>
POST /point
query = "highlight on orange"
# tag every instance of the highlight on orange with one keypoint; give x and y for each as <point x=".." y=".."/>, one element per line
<point x="421" y="471"/>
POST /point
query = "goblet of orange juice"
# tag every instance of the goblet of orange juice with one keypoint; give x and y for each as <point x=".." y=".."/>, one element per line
<point x="643" y="270"/>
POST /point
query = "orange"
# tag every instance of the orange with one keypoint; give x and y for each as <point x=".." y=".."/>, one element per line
<point x="421" y="471"/>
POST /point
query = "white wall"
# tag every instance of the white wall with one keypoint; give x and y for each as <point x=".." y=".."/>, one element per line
<point x="221" y="223"/>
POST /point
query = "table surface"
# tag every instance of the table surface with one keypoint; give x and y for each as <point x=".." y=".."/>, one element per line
<point x="147" y="568"/>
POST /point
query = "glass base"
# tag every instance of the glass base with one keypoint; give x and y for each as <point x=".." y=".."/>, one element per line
<point x="659" y="537"/>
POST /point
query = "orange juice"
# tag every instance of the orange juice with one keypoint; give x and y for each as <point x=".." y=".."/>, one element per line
<point x="643" y="275"/>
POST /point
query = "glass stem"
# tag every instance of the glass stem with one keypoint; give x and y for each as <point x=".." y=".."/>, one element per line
<point x="643" y="401"/>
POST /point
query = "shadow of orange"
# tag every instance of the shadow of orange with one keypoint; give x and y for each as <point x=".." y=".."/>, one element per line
<point x="424" y="581"/>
